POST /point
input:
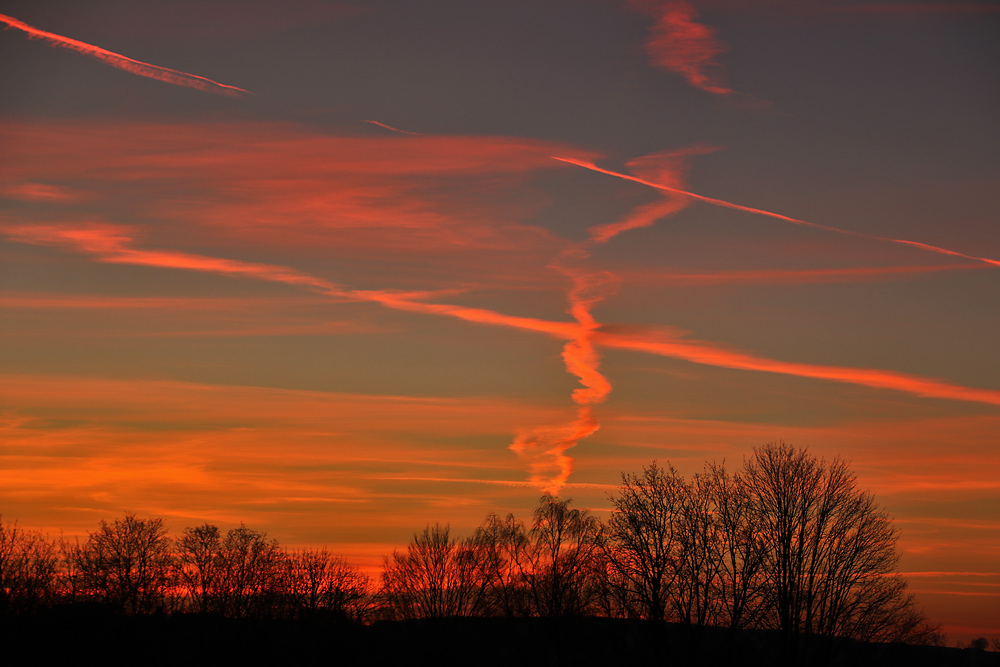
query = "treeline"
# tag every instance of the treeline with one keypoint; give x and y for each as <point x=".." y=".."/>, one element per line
<point x="131" y="566"/>
<point x="787" y="542"/>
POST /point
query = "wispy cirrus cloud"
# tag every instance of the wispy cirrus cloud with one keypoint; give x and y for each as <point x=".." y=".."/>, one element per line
<point x="206" y="452"/>
<point x="423" y="211"/>
<point x="125" y="63"/>
<point x="42" y="192"/>
<point x="678" y="43"/>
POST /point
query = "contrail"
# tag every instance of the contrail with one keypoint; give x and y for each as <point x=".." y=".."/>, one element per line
<point x="125" y="63"/>
<point x="544" y="448"/>
<point x="700" y="352"/>
<point x="778" y="216"/>
<point x="390" y="127"/>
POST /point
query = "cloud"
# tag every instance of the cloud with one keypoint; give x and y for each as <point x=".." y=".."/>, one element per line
<point x="416" y="212"/>
<point x="669" y="167"/>
<point x="76" y="449"/>
<point x="125" y="63"/>
<point x="679" y="44"/>
<point x="42" y="192"/>
<point x="544" y="449"/>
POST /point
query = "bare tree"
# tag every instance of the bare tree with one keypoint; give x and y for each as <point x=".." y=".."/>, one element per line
<point x="249" y="580"/>
<point x="27" y="569"/>
<point x="699" y="557"/>
<point x="317" y="581"/>
<point x="434" y="578"/>
<point x="644" y="540"/>
<point x="498" y="546"/>
<point x="740" y="581"/>
<point x="829" y="549"/>
<point x="200" y="566"/>
<point x="559" y="563"/>
<point x="126" y="563"/>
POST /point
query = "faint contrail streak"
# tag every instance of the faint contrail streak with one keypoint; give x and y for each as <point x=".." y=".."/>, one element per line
<point x="390" y="127"/>
<point x="125" y="63"/>
<point x="758" y="211"/>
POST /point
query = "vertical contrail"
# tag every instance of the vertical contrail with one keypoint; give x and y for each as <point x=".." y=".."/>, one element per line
<point x="545" y="448"/>
<point x="125" y="63"/>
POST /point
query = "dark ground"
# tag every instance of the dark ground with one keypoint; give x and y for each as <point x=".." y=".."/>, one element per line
<point x="69" y="634"/>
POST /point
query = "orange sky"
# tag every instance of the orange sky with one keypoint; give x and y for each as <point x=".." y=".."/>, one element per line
<point x="447" y="256"/>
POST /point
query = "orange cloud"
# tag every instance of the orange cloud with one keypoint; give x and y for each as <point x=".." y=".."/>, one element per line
<point x="121" y="62"/>
<point x="417" y="208"/>
<point x="679" y="44"/>
<point x="545" y="449"/>
<point x="78" y="449"/>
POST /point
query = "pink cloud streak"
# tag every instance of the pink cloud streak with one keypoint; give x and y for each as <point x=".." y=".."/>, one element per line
<point x="679" y="44"/>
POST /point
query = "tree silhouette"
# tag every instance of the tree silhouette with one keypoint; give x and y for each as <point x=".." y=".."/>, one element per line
<point x="250" y="573"/>
<point x="434" y="578"/>
<point x="740" y="580"/>
<point x="498" y="547"/>
<point x="126" y="564"/>
<point x="644" y="539"/>
<point x="559" y="560"/>
<point x="829" y="550"/>
<point x="200" y="566"/>
<point x="316" y="581"/>
<point x="27" y="569"/>
<point x="695" y="594"/>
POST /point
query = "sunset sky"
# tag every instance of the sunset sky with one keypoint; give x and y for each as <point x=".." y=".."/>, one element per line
<point x="339" y="270"/>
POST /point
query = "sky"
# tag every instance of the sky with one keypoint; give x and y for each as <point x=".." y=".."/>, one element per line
<point x="341" y="270"/>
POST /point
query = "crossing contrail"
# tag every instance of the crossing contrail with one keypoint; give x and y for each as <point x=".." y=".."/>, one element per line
<point x="749" y="209"/>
